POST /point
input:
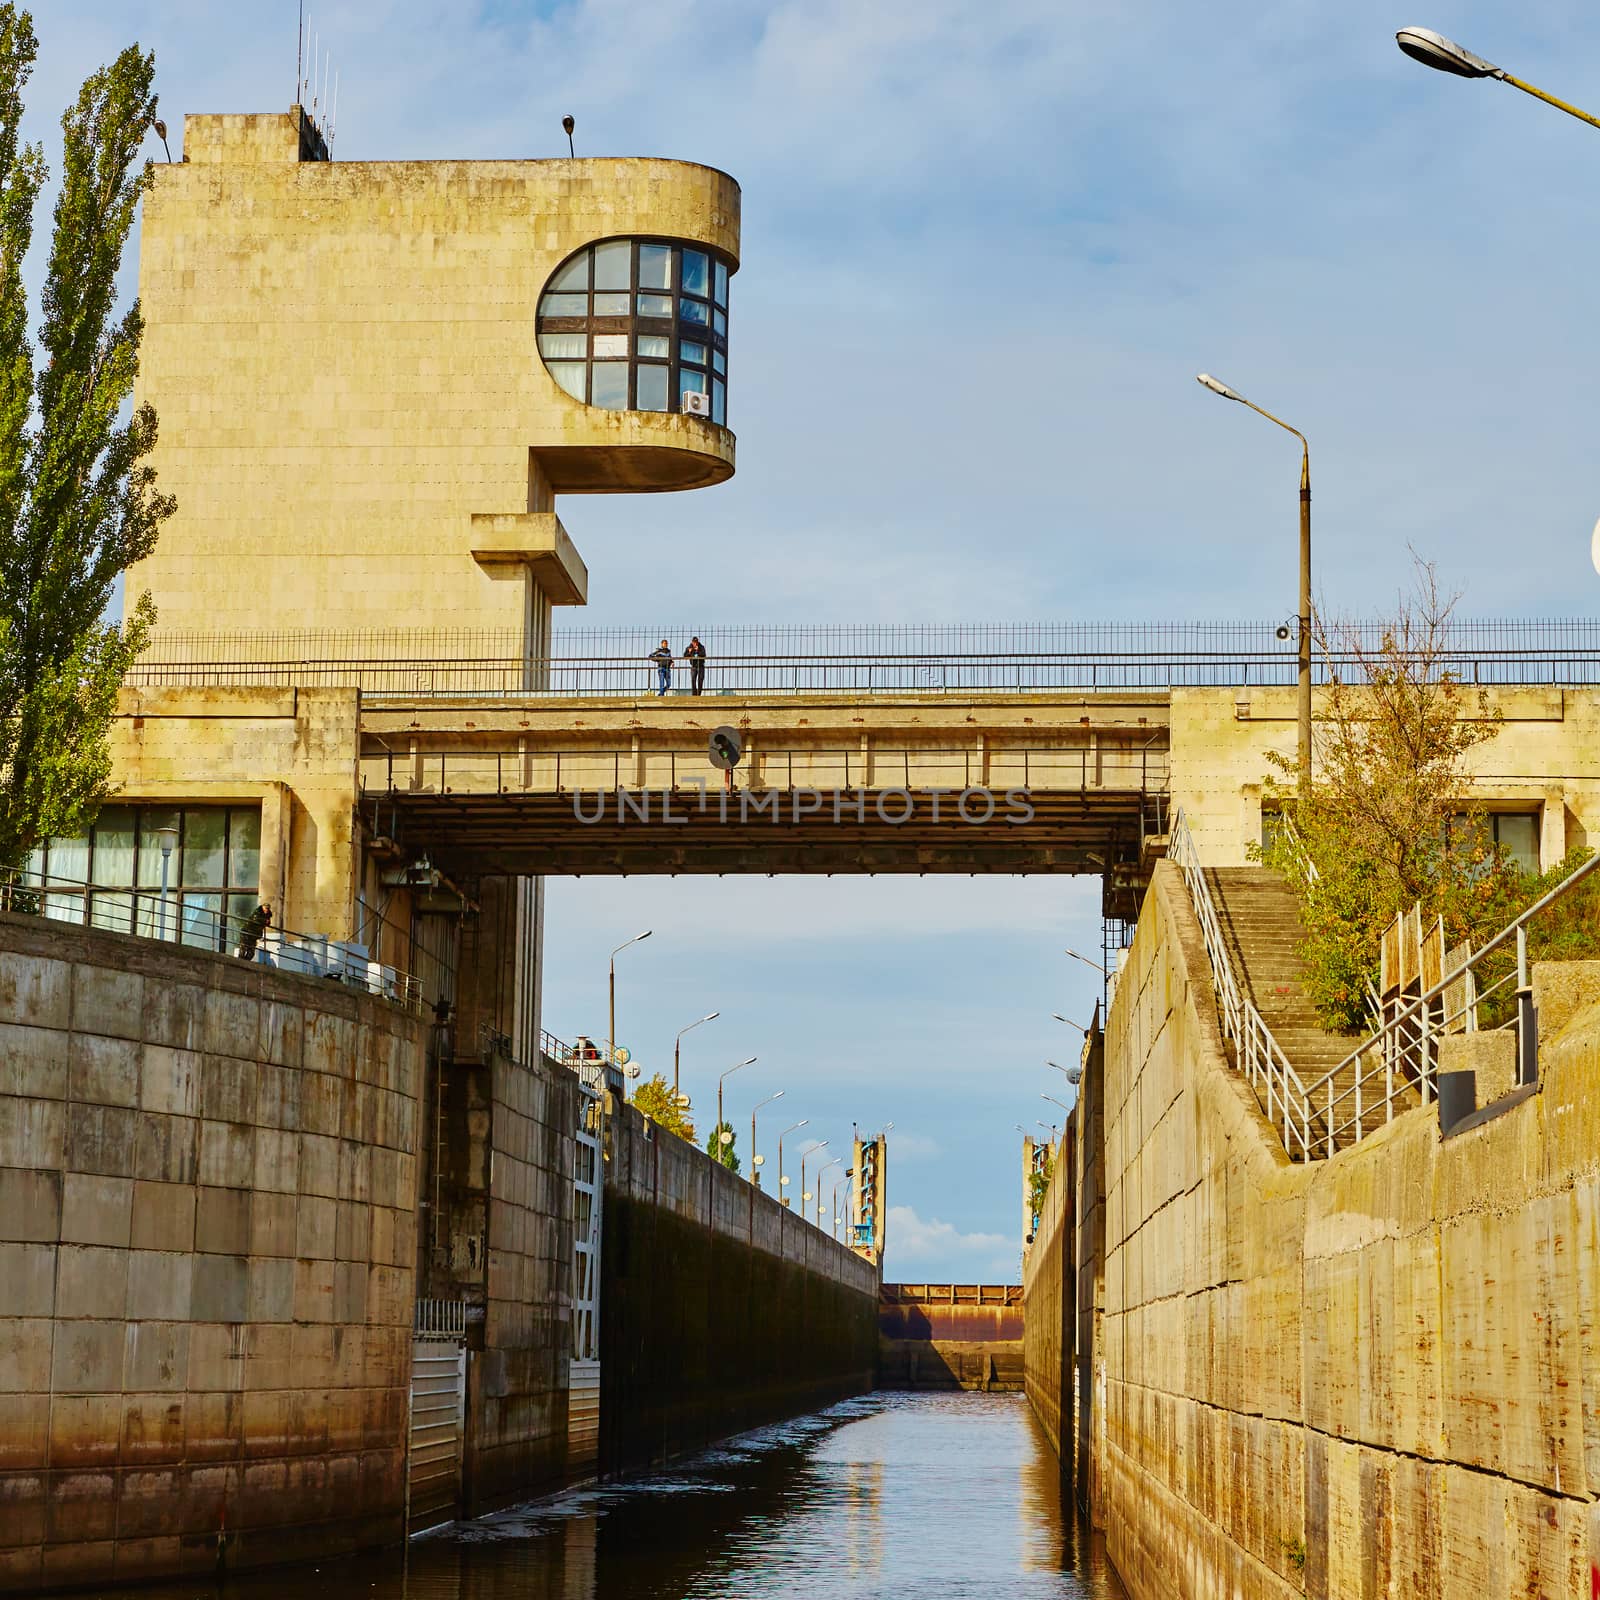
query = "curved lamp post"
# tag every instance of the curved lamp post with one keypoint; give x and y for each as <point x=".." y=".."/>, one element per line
<point x="611" y="1036"/>
<point x="1445" y="55"/>
<point x="1053" y="1101"/>
<point x="1304" y="619"/>
<point x="676" y="1050"/>
<point x="728" y="1074"/>
<point x="783" y="1182"/>
<point x="810" y="1150"/>
<point x="817" y="1214"/>
<point x="755" y="1176"/>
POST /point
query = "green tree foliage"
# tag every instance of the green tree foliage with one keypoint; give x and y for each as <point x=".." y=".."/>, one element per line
<point x="654" y="1098"/>
<point x="1039" y="1181"/>
<point x="1389" y="820"/>
<point x="725" y="1153"/>
<point x="78" y="501"/>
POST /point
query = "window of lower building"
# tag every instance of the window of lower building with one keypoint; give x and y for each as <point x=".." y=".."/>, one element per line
<point x="111" y="877"/>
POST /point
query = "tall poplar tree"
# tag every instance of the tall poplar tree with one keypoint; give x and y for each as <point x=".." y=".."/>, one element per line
<point x="78" y="499"/>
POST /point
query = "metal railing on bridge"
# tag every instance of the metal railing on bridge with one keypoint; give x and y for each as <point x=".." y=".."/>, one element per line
<point x="186" y="920"/>
<point x="955" y="660"/>
<point x="1396" y="1067"/>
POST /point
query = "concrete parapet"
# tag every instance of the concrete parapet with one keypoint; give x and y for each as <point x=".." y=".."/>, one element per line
<point x="1368" y="1376"/>
<point x="207" y="1243"/>
<point x="720" y="1308"/>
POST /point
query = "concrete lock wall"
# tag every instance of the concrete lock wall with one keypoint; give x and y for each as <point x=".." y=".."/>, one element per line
<point x="207" y="1240"/>
<point x="1047" y="1280"/>
<point x="720" y="1308"/>
<point x="1374" y="1375"/>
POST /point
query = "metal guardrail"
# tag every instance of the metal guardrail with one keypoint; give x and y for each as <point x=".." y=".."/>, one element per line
<point x="951" y="672"/>
<point x="145" y="913"/>
<point x="474" y="770"/>
<point x="1400" y="1061"/>
<point x="1396" y="1066"/>
<point x="440" y="1319"/>
<point x="1257" y="1054"/>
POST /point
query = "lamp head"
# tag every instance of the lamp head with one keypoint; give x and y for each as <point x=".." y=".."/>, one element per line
<point x="1444" y="55"/>
<point x="160" y="127"/>
<point x="567" y="125"/>
<point x="1217" y="386"/>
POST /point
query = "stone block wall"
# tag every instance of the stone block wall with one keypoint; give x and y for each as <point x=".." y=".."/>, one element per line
<point x="1377" y="1375"/>
<point x="720" y="1308"/>
<point x="207" y="1260"/>
<point x="1047" y="1285"/>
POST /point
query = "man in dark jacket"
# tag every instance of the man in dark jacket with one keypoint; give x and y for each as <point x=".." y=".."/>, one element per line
<point x="695" y="654"/>
<point x="662" y="656"/>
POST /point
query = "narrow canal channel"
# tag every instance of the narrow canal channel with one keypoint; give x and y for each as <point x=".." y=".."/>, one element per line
<point x="894" y="1495"/>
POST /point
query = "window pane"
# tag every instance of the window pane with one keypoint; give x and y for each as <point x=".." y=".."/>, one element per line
<point x="569" y="374"/>
<point x="721" y="296"/>
<point x="63" y="907"/>
<point x="202" y="921"/>
<point x="244" y="850"/>
<point x="575" y="275"/>
<point x="696" y="272"/>
<point x="610" y="346"/>
<point x="720" y="323"/>
<point x="613" y="265"/>
<point x="563" y="346"/>
<point x="652" y="384"/>
<point x="654" y="345"/>
<point x="69" y="860"/>
<point x="240" y="908"/>
<point x="611" y="305"/>
<point x="719" y="361"/>
<point x="655" y="266"/>
<point x="564" y="305"/>
<point x="693" y="311"/>
<point x="655" y="305"/>
<point x="1519" y="834"/>
<point x="610" y="385"/>
<point x="691" y="383"/>
<point x="113" y="911"/>
<point x="113" y="846"/>
<point x="204" y="835"/>
<point x="719" y="402"/>
<point x="689" y="351"/>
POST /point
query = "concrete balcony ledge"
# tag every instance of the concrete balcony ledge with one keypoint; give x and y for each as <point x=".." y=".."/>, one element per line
<point x="535" y="540"/>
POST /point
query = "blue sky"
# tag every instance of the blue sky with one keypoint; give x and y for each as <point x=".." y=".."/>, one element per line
<point x="986" y="249"/>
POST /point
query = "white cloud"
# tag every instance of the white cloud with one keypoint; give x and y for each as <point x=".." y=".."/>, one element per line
<point x="918" y="1250"/>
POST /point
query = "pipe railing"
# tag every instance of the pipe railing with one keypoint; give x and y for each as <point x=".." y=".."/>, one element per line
<point x="998" y="672"/>
<point x="144" y="912"/>
<point x="1397" y="1065"/>
<point x="1257" y="1055"/>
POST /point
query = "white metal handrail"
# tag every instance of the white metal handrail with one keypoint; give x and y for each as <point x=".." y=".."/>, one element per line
<point x="1257" y="1054"/>
<point x="146" y="913"/>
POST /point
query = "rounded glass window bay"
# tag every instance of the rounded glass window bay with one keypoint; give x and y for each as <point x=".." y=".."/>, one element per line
<point x="631" y="324"/>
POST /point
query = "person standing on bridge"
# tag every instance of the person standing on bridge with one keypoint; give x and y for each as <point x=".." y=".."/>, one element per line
<point x="662" y="656"/>
<point x="695" y="654"/>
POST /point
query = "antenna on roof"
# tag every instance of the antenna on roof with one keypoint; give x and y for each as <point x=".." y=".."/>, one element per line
<point x="300" y="53"/>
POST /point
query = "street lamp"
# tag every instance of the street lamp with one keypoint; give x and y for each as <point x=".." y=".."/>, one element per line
<point x="1304" y="620"/>
<point x="167" y="837"/>
<point x="728" y="1074"/>
<point x="1053" y="1101"/>
<point x="810" y="1150"/>
<point x="820" y="1170"/>
<point x="783" y="1182"/>
<point x="1445" y="55"/>
<point x="1070" y="1023"/>
<point x="611" y="1037"/>
<point x="677" y="1042"/>
<point x="1088" y="963"/>
<point x="756" y="1176"/>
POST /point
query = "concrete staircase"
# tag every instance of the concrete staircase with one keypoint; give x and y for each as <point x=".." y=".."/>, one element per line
<point x="1260" y="921"/>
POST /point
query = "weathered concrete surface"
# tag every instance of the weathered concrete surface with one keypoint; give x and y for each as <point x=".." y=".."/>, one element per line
<point x="207" y="1247"/>
<point x="1048" y="1284"/>
<point x="499" y="1237"/>
<point x="950" y="1336"/>
<point x="719" y="1308"/>
<point x="1376" y="1375"/>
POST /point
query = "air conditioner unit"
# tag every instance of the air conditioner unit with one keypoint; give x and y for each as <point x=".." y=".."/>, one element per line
<point x="696" y="405"/>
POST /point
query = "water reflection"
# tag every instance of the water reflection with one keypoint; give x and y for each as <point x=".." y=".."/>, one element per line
<point x="947" y="1495"/>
